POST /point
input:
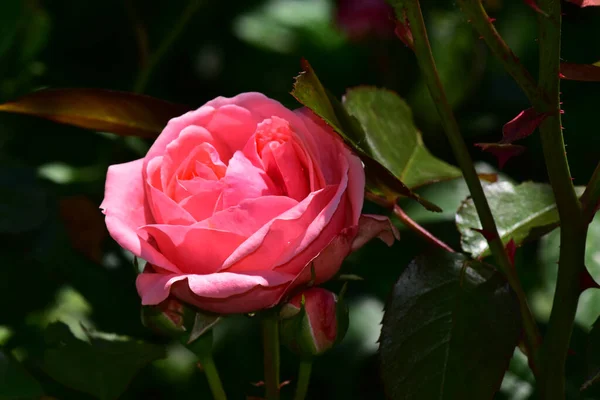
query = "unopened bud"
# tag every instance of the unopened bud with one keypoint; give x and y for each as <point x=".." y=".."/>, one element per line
<point x="313" y="321"/>
<point x="169" y="318"/>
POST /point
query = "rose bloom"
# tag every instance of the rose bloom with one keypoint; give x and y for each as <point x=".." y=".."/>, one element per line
<point x="237" y="202"/>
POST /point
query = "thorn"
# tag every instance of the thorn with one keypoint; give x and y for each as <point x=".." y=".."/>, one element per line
<point x="561" y="76"/>
<point x="562" y="111"/>
<point x="586" y="281"/>
<point x="492" y="20"/>
<point x="480" y="37"/>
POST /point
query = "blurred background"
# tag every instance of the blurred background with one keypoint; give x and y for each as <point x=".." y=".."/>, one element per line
<point x="58" y="262"/>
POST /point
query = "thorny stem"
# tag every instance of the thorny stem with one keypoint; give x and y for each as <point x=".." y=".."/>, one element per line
<point x="461" y="153"/>
<point x="483" y="25"/>
<point x="573" y="227"/>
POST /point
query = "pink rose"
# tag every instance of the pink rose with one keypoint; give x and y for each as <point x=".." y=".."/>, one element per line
<point x="235" y="202"/>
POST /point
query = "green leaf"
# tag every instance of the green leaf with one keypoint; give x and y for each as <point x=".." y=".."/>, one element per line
<point x="449" y="330"/>
<point x="15" y="381"/>
<point x="309" y="91"/>
<point x="102" y="366"/>
<point x="121" y="113"/>
<point x="392" y="137"/>
<point x="522" y="212"/>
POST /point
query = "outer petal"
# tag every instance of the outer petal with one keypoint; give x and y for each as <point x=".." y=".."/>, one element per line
<point x="125" y="208"/>
<point x="221" y="292"/>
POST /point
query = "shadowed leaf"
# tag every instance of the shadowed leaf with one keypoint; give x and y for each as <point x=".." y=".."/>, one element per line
<point x="121" y="113"/>
<point x="309" y="91"/>
<point x="102" y="366"/>
<point x="449" y="319"/>
<point x="522" y="212"/>
<point x="580" y="72"/>
<point x="15" y="381"/>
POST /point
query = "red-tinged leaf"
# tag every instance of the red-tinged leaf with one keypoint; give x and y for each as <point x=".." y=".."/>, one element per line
<point x="502" y="151"/>
<point x="489" y="236"/>
<point x="122" y="113"/>
<point x="522" y="125"/>
<point x="585" y="3"/>
<point x="403" y="32"/>
<point x="535" y="7"/>
<point x="511" y="249"/>
<point x="580" y="72"/>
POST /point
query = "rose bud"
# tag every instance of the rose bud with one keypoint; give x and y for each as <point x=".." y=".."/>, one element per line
<point x="237" y="203"/>
<point x="313" y="321"/>
<point x="168" y="318"/>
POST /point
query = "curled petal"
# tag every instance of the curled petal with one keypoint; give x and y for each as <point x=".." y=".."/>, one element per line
<point x="371" y="226"/>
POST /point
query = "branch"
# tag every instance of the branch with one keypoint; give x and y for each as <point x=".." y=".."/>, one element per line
<point x="573" y="229"/>
<point x="461" y="153"/>
<point x="484" y="26"/>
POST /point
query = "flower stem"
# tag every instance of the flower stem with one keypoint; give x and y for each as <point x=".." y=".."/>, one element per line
<point x="461" y="153"/>
<point x="573" y="228"/>
<point x="419" y="230"/>
<point x="270" y="331"/>
<point x="408" y="221"/>
<point x="144" y="75"/>
<point x="212" y="375"/>
<point x="482" y="23"/>
<point x="303" y="379"/>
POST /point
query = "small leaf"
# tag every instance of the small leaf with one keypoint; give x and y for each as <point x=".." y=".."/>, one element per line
<point x="102" y="367"/>
<point x="502" y="151"/>
<point x="518" y="211"/>
<point x="580" y="72"/>
<point x="121" y="113"/>
<point x="449" y="319"/>
<point x="522" y="125"/>
<point x="309" y="91"/>
<point x="15" y="381"/>
<point x="387" y="122"/>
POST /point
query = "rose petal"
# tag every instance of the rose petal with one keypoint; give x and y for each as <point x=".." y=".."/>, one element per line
<point x="278" y="237"/>
<point x="194" y="248"/>
<point x="125" y="211"/>
<point x="203" y="202"/>
<point x="244" y="181"/>
<point x="250" y="215"/>
<point x="213" y="292"/>
<point x="284" y="164"/>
